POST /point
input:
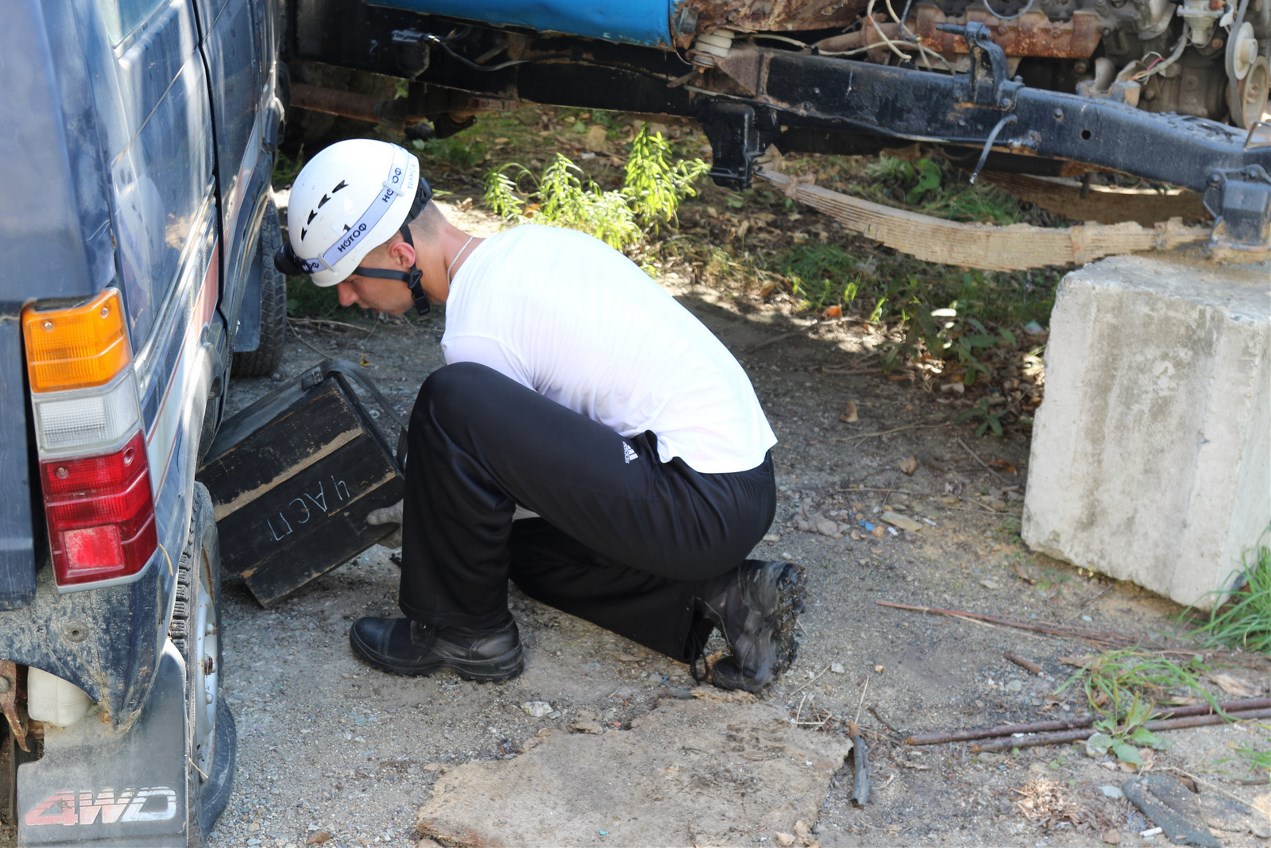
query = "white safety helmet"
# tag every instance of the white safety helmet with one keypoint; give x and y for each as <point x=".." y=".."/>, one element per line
<point x="347" y="200"/>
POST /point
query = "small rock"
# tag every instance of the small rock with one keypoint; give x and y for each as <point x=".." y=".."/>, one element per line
<point x="879" y="532"/>
<point x="1111" y="791"/>
<point x="826" y="526"/>
<point x="318" y="838"/>
<point x="1112" y="837"/>
<point x="895" y="519"/>
<point x="537" y="709"/>
<point x="850" y="415"/>
<point x="772" y="537"/>
<point x="595" y="138"/>
<point x="785" y="839"/>
<point x="838" y="668"/>
<point x="909" y="465"/>
<point x="592" y="727"/>
<point x="1015" y="686"/>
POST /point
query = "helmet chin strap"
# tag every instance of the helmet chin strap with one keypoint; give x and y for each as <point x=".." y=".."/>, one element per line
<point x="412" y="278"/>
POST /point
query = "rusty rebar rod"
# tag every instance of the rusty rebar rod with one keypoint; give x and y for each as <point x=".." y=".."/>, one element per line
<point x="941" y="737"/>
<point x="1060" y="737"/>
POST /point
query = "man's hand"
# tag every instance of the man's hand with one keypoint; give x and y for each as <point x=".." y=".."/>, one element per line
<point x="388" y="515"/>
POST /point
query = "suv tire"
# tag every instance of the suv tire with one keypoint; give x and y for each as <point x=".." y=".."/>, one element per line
<point x="211" y="738"/>
<point x="264" y="360"/>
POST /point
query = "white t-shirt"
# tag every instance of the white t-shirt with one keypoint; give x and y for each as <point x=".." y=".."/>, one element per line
<point x="560" y="312"/>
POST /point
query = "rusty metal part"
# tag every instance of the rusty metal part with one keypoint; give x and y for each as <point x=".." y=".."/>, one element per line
<point x="1030" y="34"/>
<point x="346" y="104"/>
<point x="375" y="110"/>
<point x="746" y="69"/>
<point x="767" y="16"/>
<point x="9" y="702"/>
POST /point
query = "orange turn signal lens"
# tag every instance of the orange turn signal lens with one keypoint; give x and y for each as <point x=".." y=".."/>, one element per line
<point x="76" y="348"/>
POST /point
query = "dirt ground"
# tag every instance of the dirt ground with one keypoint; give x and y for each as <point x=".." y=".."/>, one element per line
<point x="332" y="752"/>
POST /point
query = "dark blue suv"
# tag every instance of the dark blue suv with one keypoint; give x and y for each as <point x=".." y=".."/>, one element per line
<point x="137" y="141"/>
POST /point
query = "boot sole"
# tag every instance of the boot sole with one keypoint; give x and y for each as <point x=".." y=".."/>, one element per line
<point x="777" y="596"/>
<point x="494" y="670"/>
<point x="783" y="618"/>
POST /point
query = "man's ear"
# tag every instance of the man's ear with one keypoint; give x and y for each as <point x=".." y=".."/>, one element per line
<point x="402" y="253"/>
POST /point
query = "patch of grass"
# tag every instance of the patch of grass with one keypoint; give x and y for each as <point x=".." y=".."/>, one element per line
<point x="461" y="152"/>
<point x="305" y="300"/>
<point x="822" y="275"/>
<point x="1258" y="759"/>
<point x="1244" y="620"/>
<point x="932" y="186"/>
<point x="1123" y="686"/>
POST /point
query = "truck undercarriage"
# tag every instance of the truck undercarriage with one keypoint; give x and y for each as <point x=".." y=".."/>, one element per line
<point x="1168" y="92"/>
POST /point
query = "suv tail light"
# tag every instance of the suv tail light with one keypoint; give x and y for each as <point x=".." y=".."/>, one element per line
<point x="94" y="471"/>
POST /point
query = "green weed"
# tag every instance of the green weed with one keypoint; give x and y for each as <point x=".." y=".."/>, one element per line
<point x="655" y="183"/>
<point x="305" y="300"/>
<point x="653" y="187"/>
<point x="1123" y="686"/>
<point x="821" y="275"/>
<point x="986" y="414"/>
<point x="462" y="151"/>
<point x="1244" y="621"/>
<point x="1258" y="759"/>
<point x="934" y="188"/>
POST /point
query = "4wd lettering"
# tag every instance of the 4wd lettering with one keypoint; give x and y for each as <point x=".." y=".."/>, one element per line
<point x="148" y="804"/>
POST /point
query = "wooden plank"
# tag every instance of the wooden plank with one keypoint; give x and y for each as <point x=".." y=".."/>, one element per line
<point x="993" y="248"/>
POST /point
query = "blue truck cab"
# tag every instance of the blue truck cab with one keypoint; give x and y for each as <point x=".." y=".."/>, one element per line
<point x="137" y="141"/>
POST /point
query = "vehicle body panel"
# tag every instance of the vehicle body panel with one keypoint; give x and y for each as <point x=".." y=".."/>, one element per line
<point x="137" y="154"/>
<point x="631" y="22"/>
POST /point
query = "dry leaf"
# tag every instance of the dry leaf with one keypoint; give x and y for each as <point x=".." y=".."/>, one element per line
<point x="318" y="838"/>
<point x="830" y="312"/>
<point x="909" y="465"/>
<point x="1002" y="465"/>
<point x="1233" y="685"/>
<point x="849" y="415"/>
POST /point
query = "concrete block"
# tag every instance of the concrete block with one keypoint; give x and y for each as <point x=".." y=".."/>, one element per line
<point x="1151" y="452"/>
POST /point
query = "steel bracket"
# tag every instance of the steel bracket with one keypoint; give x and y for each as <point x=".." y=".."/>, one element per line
<point x="986" y="83"/>
<point x="739" y="134"/>
<point x="1240" y="201"/>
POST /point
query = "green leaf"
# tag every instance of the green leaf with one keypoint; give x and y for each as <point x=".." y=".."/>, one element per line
<point x="1127" y="753"/>
<point x="1099" y="743"/>
<point x="1146" y="738"/>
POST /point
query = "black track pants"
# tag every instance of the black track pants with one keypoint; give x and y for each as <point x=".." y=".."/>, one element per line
<point x="623" y="540"/>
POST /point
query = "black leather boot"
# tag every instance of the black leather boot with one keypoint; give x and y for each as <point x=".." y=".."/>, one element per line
<point x="402" y="646"/>
<point x="756" y="608"/>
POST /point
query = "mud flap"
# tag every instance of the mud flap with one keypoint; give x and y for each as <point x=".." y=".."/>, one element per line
<point x="96" y="786"/>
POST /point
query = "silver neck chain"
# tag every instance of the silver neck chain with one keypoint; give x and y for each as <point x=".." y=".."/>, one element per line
<point x="451" y="266"/>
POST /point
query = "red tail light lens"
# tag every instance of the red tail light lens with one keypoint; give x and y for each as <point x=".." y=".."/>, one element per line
<point x="100" y="514"/>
